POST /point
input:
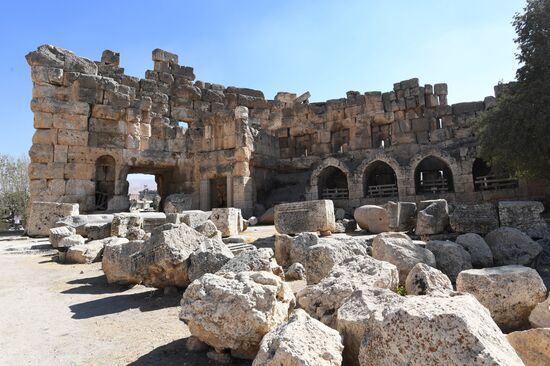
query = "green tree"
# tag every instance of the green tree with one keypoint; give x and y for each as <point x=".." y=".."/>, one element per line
<point x="14" y="187"/>
<point x="514" y="135"/>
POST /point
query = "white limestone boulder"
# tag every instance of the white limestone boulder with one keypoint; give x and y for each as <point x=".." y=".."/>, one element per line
<point x="44" y="215"/>
<point x="426" y="280"/>
<point x="70" y="241"/>
<point x="178" y="202"/>
<point x="432" y="217"/>
<point x="372" y="218"/>
<point x="511" y="246"/>
<point x="302" y="341"/>
<point x="236" y="310"/>
<point x="117" y="261"/>
<point x="307" y="216"/>
<point x="125" y="223"/>
<point x="524" y="216"/>
<point x="85" y="253"/>
<point x="352" y="319"/>
<point x="322" y="300"/>
<point x="450" y="257"/>
<point x="433" y="330"/>
<point x="509" y="292"/>
<point x="164" y="260"/>
<point x="227" y="220"/>
<point x="295" y="272"/>
<point x="532" y="346"/>
<point x="58" y="233"/>
<point x="479" y="251"/>
<point x="400" y="250"/>
<point x="253" y="260"/>
<point x="540" y="316"/>
<point x="209" y="257"/>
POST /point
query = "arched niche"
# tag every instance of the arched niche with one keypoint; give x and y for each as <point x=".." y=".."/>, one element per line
<point x="433" y="175"/>
<point x="332" y="184"/>
<point x="380" y="180"/>
<point x="105" y="178"/>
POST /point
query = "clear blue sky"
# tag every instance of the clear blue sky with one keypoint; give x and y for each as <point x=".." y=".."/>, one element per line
<point x="326" y="47"/>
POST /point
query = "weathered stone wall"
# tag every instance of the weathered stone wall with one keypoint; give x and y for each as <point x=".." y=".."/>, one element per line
<point x="95" y="125"/>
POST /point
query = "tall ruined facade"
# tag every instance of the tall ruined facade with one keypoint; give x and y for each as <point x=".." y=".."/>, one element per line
<point x="228" y="146"/>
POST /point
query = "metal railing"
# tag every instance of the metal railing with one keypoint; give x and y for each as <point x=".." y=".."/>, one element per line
<point x="335" y="194"/>
<point x="495" y="182"/>
<point x="382" y="190"/>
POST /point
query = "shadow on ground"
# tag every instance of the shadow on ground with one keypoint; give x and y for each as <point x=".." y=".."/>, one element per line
<point x="175" y="353"/>
<point x="94" y="286"/>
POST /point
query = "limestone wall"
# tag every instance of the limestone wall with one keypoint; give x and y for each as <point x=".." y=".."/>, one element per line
<point x="95" y="125"/>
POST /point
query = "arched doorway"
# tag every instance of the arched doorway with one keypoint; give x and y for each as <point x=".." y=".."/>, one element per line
<point x="333" y="184"/>
<point x="105" y="177"/>
<point x="486" y="180"/>
<point x="380" y="180"/>
<point x="433" y="175"/>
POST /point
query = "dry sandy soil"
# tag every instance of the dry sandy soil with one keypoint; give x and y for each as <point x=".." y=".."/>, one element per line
<point x="56" y="314"/>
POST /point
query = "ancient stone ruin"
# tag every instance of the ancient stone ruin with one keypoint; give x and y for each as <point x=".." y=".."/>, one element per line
<point x="231" y="147"/>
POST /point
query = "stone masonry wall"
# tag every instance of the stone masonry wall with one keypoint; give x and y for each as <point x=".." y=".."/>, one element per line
<point x="85" y="111"/>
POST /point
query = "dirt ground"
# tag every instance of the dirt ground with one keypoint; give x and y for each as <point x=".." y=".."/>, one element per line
<point x="58" y="314"/>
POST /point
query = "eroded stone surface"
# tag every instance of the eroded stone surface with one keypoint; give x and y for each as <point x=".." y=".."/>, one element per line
<point x="299" y="217"/>
<point x="511" y="246"/>
<point x="426" y="280"/>
<point x="532" y="346"/>
<point x="236" y="310"/>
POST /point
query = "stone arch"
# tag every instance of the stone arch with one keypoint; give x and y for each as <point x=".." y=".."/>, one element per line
<point x="105" y="181"/>
<point x="379" y="180"/>
<point x="331" y="174"/>
<point x="485" y="179"/>
<point x="433" y="174"/>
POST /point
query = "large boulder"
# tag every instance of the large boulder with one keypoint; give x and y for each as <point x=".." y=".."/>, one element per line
<point x="164" y="260"/>
<point x="70" y="241"/>
<point x="400" y="250"/>
<point x="117" y="261"/>
<point x="44" y="215"/>
<point x="478" y="249"/>
<point x="510" y="292"/>
<point x="532" y="346"/>
<point x="209" y="229"/>
<point x="308" y="216"/>
<point x="58" y="233"/>
<point x="236" y="310"/>
<point x="473" y="218"/>
<point x="374" y="219"/>
<point x="253" y="260"/>
<point x="450" y="257"/>
<point x="435" y="330"/>
<point x="178" y="202"/>
<point x="97" y="230"/>
<point x="426" y="280"/>
<point x="302" y="341"/>
<point x="317" y="254"/>
<point x="511" y="246"/>
<point x="542" y="262"/>
<point x="323" y="299"/>
<point x="125" y="223"/>
<point x="540" y="316"/>
<point x="209" y="257"/>
<point x="524" y="216"/>
<point x="227" y="220"/>
<point x="432" y="217"/>
<point x="352" y="319"/>
<point x="402" y="216"/>
<point x="85" y="253"/>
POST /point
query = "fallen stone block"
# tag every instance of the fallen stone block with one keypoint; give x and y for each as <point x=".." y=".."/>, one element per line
<point x="85" y="253"/>
<point x="58" y="233"/>
<point x="301" y="341"/>
<point x="323" y="300"/>
<point x="509" y="292"/>
<point x="524" y="216"/>
<point x="70" y="241"/>
<point x="540" y="316"/>
<point x="308" y="216"/>
<point x="117" y="261"/>
<point x="450" y="257"/>
<point x="402" y="216"/>
<point x="44" y="215"/>
<point x="532" y="346"/>
<point x="478" y="249"/>
<point x="399" y="250"/>
<point x="435" y="330"/>
<point x="426" y="280"/>
<point x="253" y="260"/>
<point x="477" y="218"/>
<point x="236" y="310"/>
<point x="178" y="202"/>
<point x="227" y="220"/>
<point x="432" y="217"/>
<point x="97" y="231"/>
<point x="374" y="219"/>
<point x="209" y="257"/>
<point x="295" y="272"/>
<point x="511" y="246"/>
<point x="124" y="222"/>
